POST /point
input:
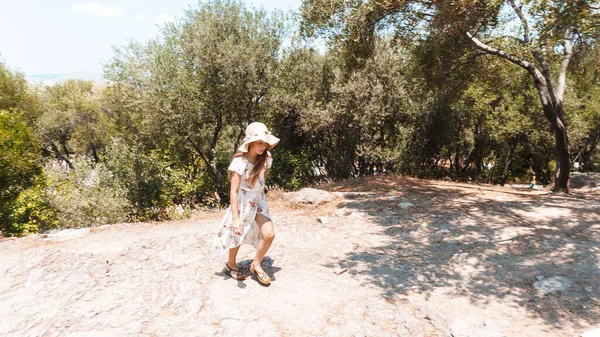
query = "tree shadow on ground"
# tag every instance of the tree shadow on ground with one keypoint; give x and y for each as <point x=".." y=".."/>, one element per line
<point x="484" y="243"/>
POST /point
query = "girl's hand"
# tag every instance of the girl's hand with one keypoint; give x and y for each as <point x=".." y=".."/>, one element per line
<point x="236" y="226"/>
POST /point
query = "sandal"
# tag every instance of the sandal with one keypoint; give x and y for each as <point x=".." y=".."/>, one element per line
<point x="261" y="276"/>
<point x="238" y="274"/>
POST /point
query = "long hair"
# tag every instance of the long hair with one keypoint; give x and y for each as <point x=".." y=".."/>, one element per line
<point x="258" y="166"/>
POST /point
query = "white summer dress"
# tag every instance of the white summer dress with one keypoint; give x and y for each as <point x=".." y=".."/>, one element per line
<point x="251" y="200"/>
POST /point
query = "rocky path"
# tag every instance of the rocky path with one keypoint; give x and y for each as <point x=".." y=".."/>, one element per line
<point x="421" y="259"/>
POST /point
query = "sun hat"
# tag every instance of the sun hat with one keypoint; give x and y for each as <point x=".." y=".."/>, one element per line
<point x="258" y="131"/>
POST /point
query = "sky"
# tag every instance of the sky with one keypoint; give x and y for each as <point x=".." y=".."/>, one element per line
<point x="66" y="36"/>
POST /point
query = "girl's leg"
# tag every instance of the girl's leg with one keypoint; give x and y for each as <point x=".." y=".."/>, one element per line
<point x="268" y="234"/>
<point x="232" y="269"/>
<point x="233" y="257"/>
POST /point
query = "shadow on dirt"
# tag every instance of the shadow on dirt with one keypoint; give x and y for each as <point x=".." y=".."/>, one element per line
<point x="484" y="243"/>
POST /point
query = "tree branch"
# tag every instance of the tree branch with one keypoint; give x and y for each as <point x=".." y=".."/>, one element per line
<point x="201" y="154"/>
<point x="517" y="9"/>
<point x="494" y="51"/>
<point x="539" y="79"/>
<point x="218" y="127"/>
<point x="546" y="72"/>
<point x="562" y="75"/>
<point x="538" y="56"/>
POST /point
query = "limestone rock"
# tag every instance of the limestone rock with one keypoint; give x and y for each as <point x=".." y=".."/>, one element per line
<point x="342" y="212"/>
<point x="310" y="196"/>
<point x="552" y="285"/>
<point x="435" y="238"/>
<point x="580" y="180"/>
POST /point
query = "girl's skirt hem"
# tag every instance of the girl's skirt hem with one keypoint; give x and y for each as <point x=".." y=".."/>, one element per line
<point x="249" y="204"/>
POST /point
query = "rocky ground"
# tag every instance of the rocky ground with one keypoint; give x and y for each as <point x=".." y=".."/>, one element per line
<point x="384" y="256"/>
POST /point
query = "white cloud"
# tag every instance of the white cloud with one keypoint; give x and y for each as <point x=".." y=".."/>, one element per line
<point x="99" y="9"/>
<point x="163" y="18"/>
<point x="139" y="18"/>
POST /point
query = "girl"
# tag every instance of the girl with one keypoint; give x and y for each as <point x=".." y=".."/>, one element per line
<point x="247" y="219"/>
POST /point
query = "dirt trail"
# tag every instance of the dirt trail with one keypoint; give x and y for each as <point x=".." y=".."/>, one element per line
<point x="423" y="258"/>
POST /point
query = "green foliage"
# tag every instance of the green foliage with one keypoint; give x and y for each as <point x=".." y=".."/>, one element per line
<point x="302" y="86"/>
<point x="72" y="121"/>
<point x="401" y="89"/>
<point x="29" y="213"/>
<point x="291" y="171"/>
<point x="19" y="156"/>
<point x="88" y="195"/>
<point x="152" y="184"/>
<point x="15" y="94"/>
<point x="140" y="174"/>
<point x="583" y="100"/>
<point x="21" y="209"/>
<point x="341" y="124"/>
<point x="204" y="75"/>
<point x="540" y="46"/>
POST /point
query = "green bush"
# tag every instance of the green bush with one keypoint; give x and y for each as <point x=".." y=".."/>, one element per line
<point x="88" y="195"/>
<point x="29" y="213"/>
<point x="142" y="176"/>
<point x="19" y="170"/>
<point x="291" y="171"/>
<point x="154" y="186"/>
<point x="19" y="155"/>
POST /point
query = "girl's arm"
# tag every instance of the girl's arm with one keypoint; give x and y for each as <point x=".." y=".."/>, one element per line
<point x="233" y="199"/>
<point x="233" y="195"/>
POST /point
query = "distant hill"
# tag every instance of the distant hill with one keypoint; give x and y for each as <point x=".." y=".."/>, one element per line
<point x="49" y="79"/>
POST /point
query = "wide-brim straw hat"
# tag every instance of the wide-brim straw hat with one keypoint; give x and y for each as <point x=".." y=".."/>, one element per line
<point x="258" y="131"/>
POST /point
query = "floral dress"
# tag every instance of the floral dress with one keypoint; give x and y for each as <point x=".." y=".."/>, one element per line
<point x="251" y="200"/>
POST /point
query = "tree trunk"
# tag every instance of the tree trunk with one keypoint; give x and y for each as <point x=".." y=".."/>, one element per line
<point x="64" y="146"/>
<point x="211" y="164"/>
<point x="564" y="162"/>
<point x="457" y="161"/>
<point x="59" y="154"/>
<point x="212" y="170"/>
<point x="551" y="94"/>
<point x="221" y="193"/>
<point x="588" y="152"/>
<point x="95" y="153"/>
<point x="507" y="163"/>
<point x="561" y="182"/>
<point x="362" y="167"/>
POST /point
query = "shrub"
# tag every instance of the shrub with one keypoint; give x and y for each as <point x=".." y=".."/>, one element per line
<point x="145" y="178"/>
<point x="88" y="195"/>
<point x="155" y="186"/>
<point x="292" y="171"/>
<point x="29" y="213"/>
<point x="19" y="170"/>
